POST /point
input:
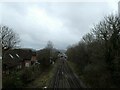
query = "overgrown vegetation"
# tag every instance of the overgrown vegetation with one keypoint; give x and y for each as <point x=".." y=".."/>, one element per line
<point x="97" y="55"/>
<point x="43" y="79"/>
<point x="21" y="78"/>
<point x="47" y="56"/>
<point x="27" y="75"/>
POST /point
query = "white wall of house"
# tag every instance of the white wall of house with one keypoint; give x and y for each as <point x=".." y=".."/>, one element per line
<point x="27" y="64"/>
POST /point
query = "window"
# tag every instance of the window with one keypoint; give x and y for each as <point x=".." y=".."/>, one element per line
<point x="27" y="64"/>
<point x="11" y="56"/>
<point x="17" y="55"/>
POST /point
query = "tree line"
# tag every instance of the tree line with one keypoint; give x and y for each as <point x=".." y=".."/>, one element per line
<point x="97" y="55"/>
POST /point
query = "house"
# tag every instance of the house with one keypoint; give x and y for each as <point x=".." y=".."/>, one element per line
<point x="26" y="55"/>
<point x="11" y="62"/>
<point x="16" y="59"/>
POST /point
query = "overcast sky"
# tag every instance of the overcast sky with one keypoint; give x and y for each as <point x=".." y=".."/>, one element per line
<point x="63" y="23"/>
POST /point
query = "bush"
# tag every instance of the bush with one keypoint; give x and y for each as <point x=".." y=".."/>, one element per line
<point x="12" y="82"/>
<point x="43" y="57"/>
<point x="21" y="78"/>
<point x="27" y="75"/>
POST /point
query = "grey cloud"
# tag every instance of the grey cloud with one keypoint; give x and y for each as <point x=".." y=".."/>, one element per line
<point x="76" y="19"/>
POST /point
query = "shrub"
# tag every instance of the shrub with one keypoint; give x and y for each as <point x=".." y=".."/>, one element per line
<point x="27" y="75"/>
<point x="12" y="82"/>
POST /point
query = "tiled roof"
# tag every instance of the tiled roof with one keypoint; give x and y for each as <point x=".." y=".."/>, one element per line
<point x="15" y="56"/>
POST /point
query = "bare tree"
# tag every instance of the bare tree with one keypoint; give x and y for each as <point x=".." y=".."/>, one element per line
<point x="49" y="45"/>
<point x="88" y="38"/>
<point x="9" y="39"/>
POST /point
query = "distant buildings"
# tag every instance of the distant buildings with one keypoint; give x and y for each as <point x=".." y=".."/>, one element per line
<point x="62" y="56"/>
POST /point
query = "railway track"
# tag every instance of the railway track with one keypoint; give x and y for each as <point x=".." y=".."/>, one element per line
<point x="75" y="83"/>
<point x="64" y="77"/>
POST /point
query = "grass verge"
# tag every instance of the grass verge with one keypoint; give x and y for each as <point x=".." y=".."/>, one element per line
<point x="76" y="70"/>
<point x="44" y="79"/>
